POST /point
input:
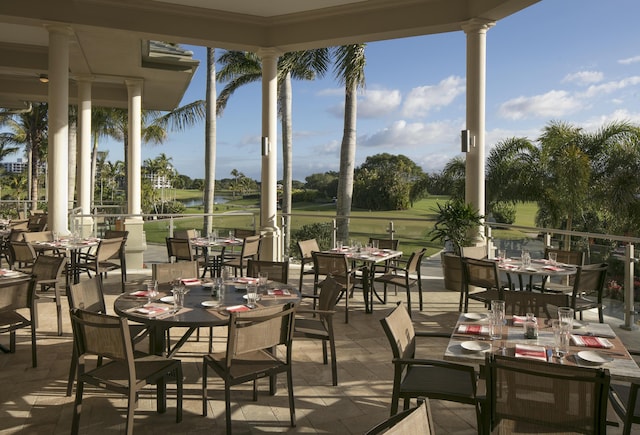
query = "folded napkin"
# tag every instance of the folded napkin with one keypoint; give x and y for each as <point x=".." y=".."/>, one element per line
<point x="191" y="281"/>
<point x="518" y="320"/>
<point x="247" y="280"/>
<point x="596" y="330"/>
<point x="380" y="254"/>
<point x="7" y="272"/>
<point x="588" y="341"/>
<point x="508" y="266"/>
<point x="140" y="293"/>
<point x="553" y="268"/>
<point x="237" y="308"/>
<point x="473" y="329"/>
<point x="540" y="260"/>
<point x="278" y="292"/>
<point x="153" y="310"/>
<point x="531" y="352"/>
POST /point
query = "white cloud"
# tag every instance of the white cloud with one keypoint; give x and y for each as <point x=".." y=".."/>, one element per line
<point x="404" y="135"/>
<point x="629" y="60"/>
<point x="553" y="104"/>
<point x="584" y="77"/>
<point x="608" y="87"/>
<point x="423" y="99"/>
<point x="598" y="122"/>
<point x="379" y="102"/>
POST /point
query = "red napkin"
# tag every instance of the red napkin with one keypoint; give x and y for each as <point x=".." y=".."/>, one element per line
<point x="508" y="266"/>
<point x="191" y="281"/>
<point x="518" y="320"/>
<point x="473" y="329"/>
<point x="140" y="293"/>
<point x="531" y="352"/>
<point x="553" y="268"/>
<point x="247" y="280"/>
<point x="587" y="341"/>
<point x="278" y="292"/>
<point x="152" y="310"/>
<point x="237" y="308"/>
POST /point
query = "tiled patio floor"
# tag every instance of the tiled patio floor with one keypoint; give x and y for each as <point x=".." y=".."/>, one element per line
<point x="33" y="401"/>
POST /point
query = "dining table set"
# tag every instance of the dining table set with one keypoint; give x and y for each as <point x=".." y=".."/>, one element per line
<point x="213" y="250"/>
<point x="73" y="247"/>
<point x="526" y="268"/>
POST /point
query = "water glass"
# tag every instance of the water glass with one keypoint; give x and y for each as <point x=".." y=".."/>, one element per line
<point x="526" y="259"/>
<point x="565" y="315"/>
<point x="338" y="244"/>
<point x="252" y="295"/>
<point x="375" y="244"/>
<point x="152" y="290"/>
<point x="216" y="288"/>
<point x="497" y="319"/>
<point x="501" y="255"/>
<point x="263" y="277"/>
<point x="560" y="338"/>
<point x="553" y="258"/>
<point x="178" y="297"/>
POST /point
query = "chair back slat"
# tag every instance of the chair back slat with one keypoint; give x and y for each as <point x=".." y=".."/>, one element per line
<point x="108" y="248"/>
<point x="307" y="248"/>
<point x="543" y="305"/>
<point x="566" y="257"/>
<point x="327" y="263"/>
<point x="101" y="335"/>
<point x="48" y="267"/>
<point x="251" y="247"/>
<point x="38" y="236"/>
<point x="399" y="330"/>
<point x="480" y="273"/>
<point x="87" y="295"/>
<point x="590" y="279"/>
<point x="179" y="248"/>
<point x="386" y="243"/>
<point x="16" y="294"/>
<point x="330" y="290"/>
<point x="413" y="264"/>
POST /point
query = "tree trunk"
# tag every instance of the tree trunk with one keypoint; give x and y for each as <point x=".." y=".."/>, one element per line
<point x="210" y="141"/>
<point x="347" y="163"/>
<point x="287" y="157"/>
<point x="73" y="167"/>
<point x="94" y="170"/>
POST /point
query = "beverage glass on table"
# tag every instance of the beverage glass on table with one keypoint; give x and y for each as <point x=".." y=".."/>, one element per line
<point x="553" y="258"/>
<point x="526" y="259"/>
<point x="178" y="296"/>
<point x="501" y="256"/>
<point x="565" y="315"/>
<point x="497" y="320"/>
<point x="560" y="338"/>
<point x="263" y="277"/>
<point x="252" y="295"/>
<point x="152" y="290"/>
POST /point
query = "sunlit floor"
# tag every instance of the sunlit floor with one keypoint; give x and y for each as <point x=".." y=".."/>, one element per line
<point x="33" y="401"/>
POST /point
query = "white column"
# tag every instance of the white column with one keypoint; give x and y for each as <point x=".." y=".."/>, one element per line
<point x="136" y="242"/>
<point x="476" y="30"/>
<point x="271" y="243"/>
<point x="84" y="151"/>
<point x="57" y="160"/>
<point x="134" y="89"/>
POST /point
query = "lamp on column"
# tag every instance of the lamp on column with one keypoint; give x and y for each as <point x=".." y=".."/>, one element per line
<point x="467" y="141"/>
<point x="43" y="78"/>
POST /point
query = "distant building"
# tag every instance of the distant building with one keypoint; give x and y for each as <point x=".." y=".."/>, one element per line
<point x="19" y="166"/>
<point x="159" y="181"/>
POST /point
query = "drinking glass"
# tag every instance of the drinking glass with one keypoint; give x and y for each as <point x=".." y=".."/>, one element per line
<point x="178" y="297"/>
<point x="560" y="338"/>
<point x="526" y="259"/>
<point x="375" y="245"/>
<point x="497" y="319"/>
<point x="338" y="244"/>
<point x="553" y="258"/>
<point x="565" y="315"/>
<point x="152" y="290"/>
<point x="252" y="295"/>
<point x="263" y="277"/>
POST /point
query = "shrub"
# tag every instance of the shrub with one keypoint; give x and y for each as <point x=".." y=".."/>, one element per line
<point x="322" y="232"/>
<point x="504" y="212"/>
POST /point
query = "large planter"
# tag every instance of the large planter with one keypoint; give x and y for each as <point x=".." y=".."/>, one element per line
<point x="451" y="271"/>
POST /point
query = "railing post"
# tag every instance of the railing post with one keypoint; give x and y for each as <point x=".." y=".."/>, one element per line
<point x="334" y="232"/>
<point x="170" y="226"/>
<point x="629" y="318"/>
<point x="391" y="230"/>
<point x="490" y="248"/>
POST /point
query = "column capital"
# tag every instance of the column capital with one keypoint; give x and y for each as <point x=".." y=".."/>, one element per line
<point x="269" y="52"/>
<point x="132" y="83"/>
<point x="85" y="78"/>
<point x="59" y="29"/>
<point x="478" y="25"/>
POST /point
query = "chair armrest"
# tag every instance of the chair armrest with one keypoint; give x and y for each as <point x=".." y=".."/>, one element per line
<point x="433" y="334"/>
<point x="324" y="312"/>
<point x="436" y="362"/>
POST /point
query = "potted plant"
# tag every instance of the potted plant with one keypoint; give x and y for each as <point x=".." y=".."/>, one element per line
<point x="456" y="228"/>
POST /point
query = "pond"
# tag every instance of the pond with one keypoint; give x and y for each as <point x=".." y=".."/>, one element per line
<point x="198" y="202"/>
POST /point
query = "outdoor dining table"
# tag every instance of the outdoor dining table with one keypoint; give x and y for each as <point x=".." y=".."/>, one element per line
<point x="73" y="247"/>
<point x="368" y="258"/>
<point x="200" y="310"/>
<point x="213" y="263"/>
<point x="472" y="345"/>
<point x="538" y="267"/>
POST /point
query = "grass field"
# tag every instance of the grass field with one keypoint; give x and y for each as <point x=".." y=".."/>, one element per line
<point x="411" y="226"/>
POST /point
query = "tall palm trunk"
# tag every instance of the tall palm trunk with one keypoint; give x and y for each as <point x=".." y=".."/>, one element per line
<point x="73" y="167"/>
<point x="287" y="157"/>
<point x="347" y="161"/>
<point x="210" y="141"/>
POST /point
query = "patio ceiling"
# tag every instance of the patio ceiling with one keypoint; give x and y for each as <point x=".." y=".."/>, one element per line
<point x="110" y="37"/>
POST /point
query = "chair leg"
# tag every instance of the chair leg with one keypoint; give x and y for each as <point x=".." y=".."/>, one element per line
<point x="409" y="300"/>
<point x="420" y="292"/>
<point x="334" y="361"/>
<point x="34" y="351"/>
<point x="179" y="393"/>
<point x="77" y="407"/>
<point x="132" y="404"/>
<point x="292" y="405"/>
<point x="56" y="290"/>
<point x="325" y="359"/>
<point x="72" y="372"/>
<point x="227" y="406"/>
<point x="204" y="388"/>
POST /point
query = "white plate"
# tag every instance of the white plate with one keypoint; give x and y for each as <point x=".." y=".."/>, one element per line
<point x="475" y="316"/>
<point x="207" y="284"/>
<point x="239" y="286"/>
<point x="211" y="303"/>
<point x="577" y="324"/>
<point x="475" y="346"/>
<point x="594" y="357"/>
<point x="167" y="299"/>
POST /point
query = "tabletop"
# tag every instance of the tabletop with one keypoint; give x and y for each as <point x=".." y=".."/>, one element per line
<point x="203" y="242"/>
<point x="473" y="345"/>
<point x="368" y="255"/>
<point x="537" y="267"/>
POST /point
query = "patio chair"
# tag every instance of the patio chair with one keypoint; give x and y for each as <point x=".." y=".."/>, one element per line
<point x="38" y="236"/>
<point x="380" y="269"/>
<point x="48" y="271"/>
<point x="318" y="323"/>
<point x="536" y="396"/>
<point x="479" y="273"/>
<point x="250" y="250"/>
<point x="37" y="222"/>
<point x="122" y="254"/>
<point x="276" y="270"/>
<point x="588" y="287"/>
<point x="406" y="275"/>
<point x="102" y="261"/>
<point x="22" y="256"/>
<point x="416" y="378"/>
<point x="17" y="296"/>
<point x="542" y="305"/>
<point x="125" y="372"/>
<point x="88" y="295"/>
<point x="412" y="421"/>
<point x="306" y="249"/>
<point x="165" y="273"/>
<point x="250" y="355"/>
<point x="624" y="401"/>
<point x="575" y="258"/>
<point x="327" y="264"/>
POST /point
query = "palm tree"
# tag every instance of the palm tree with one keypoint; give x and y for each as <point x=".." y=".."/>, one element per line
<point x="349" y="70"/>
<point x="240" y="68"/>
<point x="28" y="129"/>
<point x="513" y="171"/>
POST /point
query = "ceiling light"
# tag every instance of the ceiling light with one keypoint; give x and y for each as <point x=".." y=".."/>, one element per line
<point x="44" y="78"/>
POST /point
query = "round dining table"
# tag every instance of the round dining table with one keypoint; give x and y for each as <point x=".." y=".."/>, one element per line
<point x="200" y="309"/>
<point x="538" y="267"/>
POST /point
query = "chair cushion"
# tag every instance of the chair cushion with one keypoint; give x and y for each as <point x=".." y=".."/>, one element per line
<point x="437" y="383"/>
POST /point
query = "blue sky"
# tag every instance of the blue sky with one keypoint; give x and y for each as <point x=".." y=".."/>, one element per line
<point x="571" y="60"/>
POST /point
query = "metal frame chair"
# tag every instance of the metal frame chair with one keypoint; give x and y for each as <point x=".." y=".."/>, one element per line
<point x="306" y="248"/>
<point x="559" y="397"/>
<point x="100" y="263"/>
<point x="588" y="287"/>
<point x="124" y="373"/>
<point x="250" y="250"/>
<point x="276" y="270"/>
<point x="405" y="276"/>
<point x="250" y="355"/>
<point x="48" y="271"/>
<point x="16" y="295"/>
<point x="479" y="273"/>
<point x="337" y="266"/>
<point x="415" y="378"/>
<point x="411" y="421"/>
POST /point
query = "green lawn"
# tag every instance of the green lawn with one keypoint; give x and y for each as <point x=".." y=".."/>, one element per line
<point x="410" y="226"/>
